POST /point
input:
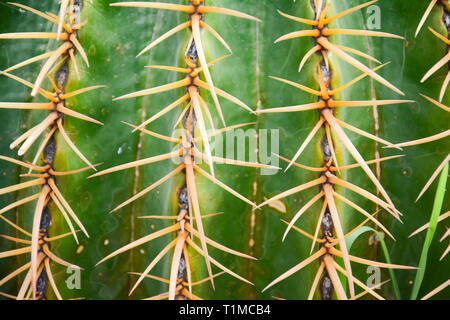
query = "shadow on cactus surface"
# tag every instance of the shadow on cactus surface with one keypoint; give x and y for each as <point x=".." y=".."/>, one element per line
<point x="213" y="149"/>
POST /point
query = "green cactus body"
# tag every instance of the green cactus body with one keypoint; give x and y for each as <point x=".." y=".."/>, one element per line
<point x="254" y="73"/>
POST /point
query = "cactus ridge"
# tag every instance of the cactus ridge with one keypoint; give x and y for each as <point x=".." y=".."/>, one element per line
<point x="38" y="243"/>
<point x="329" y="219"/>
<point x="193" y="115"/>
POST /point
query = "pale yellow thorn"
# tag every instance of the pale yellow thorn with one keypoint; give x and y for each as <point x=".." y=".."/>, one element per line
<point x="192" y="191"/>
<point x="298" y="267"/>
<point x="369" y="33"/>
<point x="366" y="103"/>
<point x="163" y="112"/>
<point x="14" y="252"/>
<point x="350" y="83"/>
<point x="150" y="188"/>
<point x="80" y="91"/>
<point x="75" y="114"/>
<point x="66" y="205"/>
<point x="358" y="53"/>
<point x="32" y="35"/>
<point x="22" y="185"/>
<point x="348" y="11"/>
<point x="223" y="186"/>
<point x="351" y="148"/>
<point x="308" y="55"/>
<point x="23" y="164"/>
<point x="150" y="276"/>
<point x="444" y="87"/>
<point x="62" y="13"/>
<point x="181" y="117"/>
<point x="215" y="34"/>
<point x="165" y="36"/>
<point x="15" y="226"/>
<point x="163" y="88"/>
<point x="363" y="193"/>
<point x="328" y="45"/>
<point x="296" y="85"/>
<point x="170" y="68"/>
<point x="141" y="241"/>
<point x="364" y="212"/>
<point x="188" y="269"/>
<point x="446" y="234"/>
<point x="294" y="190"/>
<point x="298" y="34"/>
<point x="328" y="190"/>
<point x="445" y="253"/>
<point x="424" y="140"/>
<point x="220" y="266"/>
<point x="31" y="135"/>
<point x="438" y="289"/>
<point x="207" y="279"/>
<point x="155" y="5"/>
<point x="234" y="162"/>
<point x="219" y="131"/>
<point x="152" y="264"/>
<point x="211" y="63"/>
<point x="331" y="146"/>
<point x="37" y="12"/>
<point x="57" y="259"/>
<point x="66" y="217"/>
<point x="370" y="262"/>
<point x="425" y="226"/>
<point x="337" y="285"/>
<point x="50" y="277"/>
<point x="29" y="61"/>
<point x="436" y="67"/>
<point x="45" y="93"/>
<point x="209" y="9"/>
<point x="42" y="147"/>
<point x="14" y="239"/>
<point x="26" y="106"/>
<point x="19" y="203"/>
<point x="195" y="19"/>
<point x="218" y="245"/>
<point x="80" y="49"/>
<point x="425" y="16"/>
<point x="319" y="222"/>
<point x="154" y="134"/>
<point x="438" y="104"/>
<point x="35" y="235"/>
<point x="48" y="64"/>
<point x="316" y="281"/>
<point x="359" y="283"/>
<point x="301" y="20"/>
<point x="15" y="273"/>
<point x="434" y="175"/>
<point x="201" y="125"/>
<point x="138" y="163"/>
<point x="440" y="36"/>
<point x="306" y="142"/>
<point x="301" y="211"/>
<point x="223" y="94"/>
<point x="366" y="134"/>
<point x="27" y="280"/>
<point x="175" y="265"/>
<point x="72" y="145"/>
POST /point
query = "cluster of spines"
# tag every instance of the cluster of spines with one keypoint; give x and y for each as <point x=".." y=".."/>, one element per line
<point x="195" y="114"/>
<point x="329" y="221"/>
<point x="442" y="135"/>
<point x="39" y="273"/>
